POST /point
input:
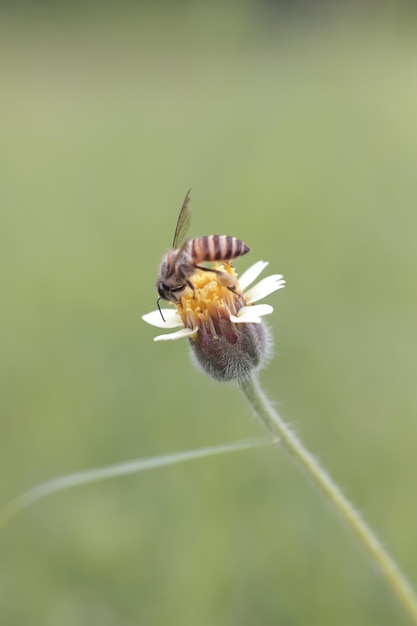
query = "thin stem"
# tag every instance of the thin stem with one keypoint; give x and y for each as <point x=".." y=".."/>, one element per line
<point x="272" y="420"/>
<point x="97" y="474"/>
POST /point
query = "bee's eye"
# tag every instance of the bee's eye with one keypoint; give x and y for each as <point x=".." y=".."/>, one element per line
<point x="163" y="290"/>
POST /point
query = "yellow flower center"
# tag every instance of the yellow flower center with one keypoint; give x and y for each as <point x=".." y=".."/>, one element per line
<point x="216" y="295"/>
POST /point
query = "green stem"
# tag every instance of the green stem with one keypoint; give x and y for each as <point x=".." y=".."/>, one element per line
<point x="77" y="479"/>
<point x="272" y="420"/>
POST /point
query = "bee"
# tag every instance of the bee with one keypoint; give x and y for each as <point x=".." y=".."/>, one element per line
<point x="180" y="263"/>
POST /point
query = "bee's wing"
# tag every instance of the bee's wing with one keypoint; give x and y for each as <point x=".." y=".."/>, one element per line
<point x="183" y="222"/>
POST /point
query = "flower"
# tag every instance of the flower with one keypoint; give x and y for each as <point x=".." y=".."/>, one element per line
<point x="224" y="325"/>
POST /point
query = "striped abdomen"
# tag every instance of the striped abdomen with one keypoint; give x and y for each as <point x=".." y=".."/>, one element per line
<point x="217" y="248"/>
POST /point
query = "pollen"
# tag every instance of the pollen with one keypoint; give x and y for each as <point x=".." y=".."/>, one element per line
<point x="216" y="296"/>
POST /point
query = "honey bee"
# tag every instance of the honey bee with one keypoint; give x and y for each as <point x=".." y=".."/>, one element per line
<point x="180" y="263"/>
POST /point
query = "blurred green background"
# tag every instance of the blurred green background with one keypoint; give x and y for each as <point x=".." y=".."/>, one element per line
<point x="295" y="126"/>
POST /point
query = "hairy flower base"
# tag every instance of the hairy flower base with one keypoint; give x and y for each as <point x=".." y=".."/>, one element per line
<point x="219" y="316"/>
<point x="234" y="352"/>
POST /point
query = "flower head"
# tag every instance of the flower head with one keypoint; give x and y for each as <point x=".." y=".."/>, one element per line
<point x="219" y="316"/>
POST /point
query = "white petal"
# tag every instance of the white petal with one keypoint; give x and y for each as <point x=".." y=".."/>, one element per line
<point x="171" y="317"/>
<point x="251" y="274"/>
<point x="251" y="314"/>
<point x="184" y="332"/>
<point x="245" y="319"/>
<point x="265" y="287"/>
<point x="257" y="309"/>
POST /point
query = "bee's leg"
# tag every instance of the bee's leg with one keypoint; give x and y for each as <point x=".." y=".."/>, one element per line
<point x="206" y="269"/>
<point x="225" y="278"/>
<point x="227" y="281"/>
<point x="191" y="286"/>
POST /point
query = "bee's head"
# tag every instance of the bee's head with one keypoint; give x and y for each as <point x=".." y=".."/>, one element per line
<point x="163" y="290"/>
<point x="170" y="293"/>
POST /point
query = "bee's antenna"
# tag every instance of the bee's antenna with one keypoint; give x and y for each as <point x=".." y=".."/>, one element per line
<point x="159" y="308"/>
